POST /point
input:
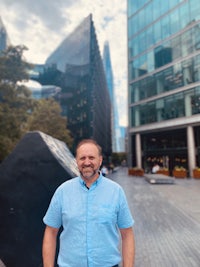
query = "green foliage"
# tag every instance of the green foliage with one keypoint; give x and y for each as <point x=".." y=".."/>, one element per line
<point x="46" y="118"/>
<point x="15" y="101"/>
<point x="118" y="158"/>
<point x="20" y="113"/>
<point x="12" y="67"/>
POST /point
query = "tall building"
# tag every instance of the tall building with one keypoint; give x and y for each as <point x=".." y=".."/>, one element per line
<point x="76" y="66"/>
<point x="118" y="136"/>
<point x="164" y="83"/>
<point x="4" y="40"/>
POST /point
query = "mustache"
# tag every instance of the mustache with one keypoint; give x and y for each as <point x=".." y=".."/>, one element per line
<point x="94" y="172"/>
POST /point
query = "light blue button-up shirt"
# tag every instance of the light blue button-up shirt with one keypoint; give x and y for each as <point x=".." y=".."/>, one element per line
<point x="90" y="219"/>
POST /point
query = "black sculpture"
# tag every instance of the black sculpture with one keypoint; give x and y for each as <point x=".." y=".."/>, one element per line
<point x="28" y="179"/>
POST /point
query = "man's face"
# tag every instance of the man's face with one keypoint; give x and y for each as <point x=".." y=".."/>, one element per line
<point x="88" y="161"/>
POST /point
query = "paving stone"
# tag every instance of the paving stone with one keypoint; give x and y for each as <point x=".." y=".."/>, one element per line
<point x="167" y="220"/>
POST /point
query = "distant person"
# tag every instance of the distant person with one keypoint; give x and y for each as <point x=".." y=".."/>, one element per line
<point x="155" y="168"/>
<point x="92" y="211"/>
<point x="104" y="171"/>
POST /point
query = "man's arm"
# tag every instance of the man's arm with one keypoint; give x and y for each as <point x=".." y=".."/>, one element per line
<point x="128" y="247"/>
<point x="49" y="246"/>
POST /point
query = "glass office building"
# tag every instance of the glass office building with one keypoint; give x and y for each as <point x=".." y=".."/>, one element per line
<point x="118" y="132"/>
<point x="77" y="68"/>
<point x="4" y="41"/>
<point x="164" y="83"/>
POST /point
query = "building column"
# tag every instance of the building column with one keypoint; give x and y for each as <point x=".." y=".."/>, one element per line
<point x="138" y="150"/>
<point x="191" y="149"/>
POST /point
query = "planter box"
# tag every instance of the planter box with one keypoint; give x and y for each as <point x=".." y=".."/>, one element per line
<point x="164" y="172"/>
<point x="136" y="172"/>
<point x="180" y="174"/>
<point x="196" y="174"/>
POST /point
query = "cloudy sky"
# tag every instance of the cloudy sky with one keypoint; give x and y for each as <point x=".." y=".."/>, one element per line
<point x="41" y="25"/>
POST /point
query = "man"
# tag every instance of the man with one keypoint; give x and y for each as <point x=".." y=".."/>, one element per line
<point x="91" y="209"/>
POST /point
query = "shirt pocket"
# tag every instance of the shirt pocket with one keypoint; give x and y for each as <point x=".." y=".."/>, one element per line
<point x="107" y="215"/>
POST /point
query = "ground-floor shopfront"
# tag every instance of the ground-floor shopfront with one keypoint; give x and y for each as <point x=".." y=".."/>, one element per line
<point x="167" y="148"/>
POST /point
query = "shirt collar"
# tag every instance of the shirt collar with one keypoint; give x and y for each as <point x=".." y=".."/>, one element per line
<point x="94" y="184"/>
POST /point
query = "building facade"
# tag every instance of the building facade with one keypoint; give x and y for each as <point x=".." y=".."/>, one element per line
<point x="77" y="68"/>
<point x="164" y="83"/>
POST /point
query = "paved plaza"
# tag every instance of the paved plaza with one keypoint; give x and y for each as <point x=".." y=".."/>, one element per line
<point x="167" y="220"/>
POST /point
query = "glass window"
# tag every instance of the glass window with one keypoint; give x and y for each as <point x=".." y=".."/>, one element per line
<point x="156" y="9"/>
<point x="196" y="74"/>
<point x="150" y="61"/>
<point x="132" y="91"/>
<point x="142" y="42"/>
<point x="170" y="110"/>
<point x="179" y="104"/>
<point x="187" y="69"/>
<point x="136" y="91"/>
<point x="150" y="86"/>
<point x="165" y="27"/>
<point x="130" y="71"/>
<point x="141" y="19"/>
<point x="148" y="113"/>
<point x="176" y="48"/>
<point x="143" y="64"/>
<point x="143" y="89"/>
<point x="134" y="25"/>
<point x="132" y="7"/>
<point x="157" y="32"/>
<point x="194" y="10"/>
<point x="164" y="6"/>
<point x="187" y="46"/>
<point x="149" y="37"/>
<point x="195" y="101"/>
<point x="132" y="117"/>
<point x="163" y="55"/>
<point x="196" y="35"/>
<point x="130" y="49"/>
<point x="149" y="13"/>
<point x="173" y="3"/>
<point x="178" y="76"/>
<point x="134" y="69"/>
<point x="160" y="109"/>
<point x="174" y="107"/>
<point x="135" y="42"/>
<point x="168" y="79"/>
<point x="129" y="28"/>
<point x="159" y="82"/>
<point x="167" y="108"/>
<point x="184" y="12"/>
<point x="175" y="21"/>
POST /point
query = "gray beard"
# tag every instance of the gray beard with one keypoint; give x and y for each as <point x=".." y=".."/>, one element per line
<point x="91" y="176"/>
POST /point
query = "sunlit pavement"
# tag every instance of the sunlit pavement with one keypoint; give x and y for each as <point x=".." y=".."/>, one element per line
<point x="167" y="220"/>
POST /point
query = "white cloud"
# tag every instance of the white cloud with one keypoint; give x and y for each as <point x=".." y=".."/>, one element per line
<point x="41" y="25"/>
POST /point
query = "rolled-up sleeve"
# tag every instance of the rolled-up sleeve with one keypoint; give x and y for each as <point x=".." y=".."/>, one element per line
<point x="125" y="219"/>
<point x="53" y="216"/>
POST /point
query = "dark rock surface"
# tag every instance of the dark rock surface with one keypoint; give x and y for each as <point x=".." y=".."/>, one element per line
<point x="28" y="179"/>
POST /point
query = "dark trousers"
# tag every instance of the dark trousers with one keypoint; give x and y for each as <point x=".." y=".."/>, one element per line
<point x="116" y="265"/>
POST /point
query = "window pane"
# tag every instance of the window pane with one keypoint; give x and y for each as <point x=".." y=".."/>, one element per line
<point x="175" y="21"/>
<point x="165" y="27"/>
<point x="157" y="32"/>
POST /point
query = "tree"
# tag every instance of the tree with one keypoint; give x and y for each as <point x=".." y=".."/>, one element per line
<point x="15" y="100"/>
<point x="46" y="118"/>
<point x="19" y="112"/>
<point x="118" y="158"/>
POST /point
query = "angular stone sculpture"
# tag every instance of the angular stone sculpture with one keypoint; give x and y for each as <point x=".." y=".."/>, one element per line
<point x="28" y="179"/>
